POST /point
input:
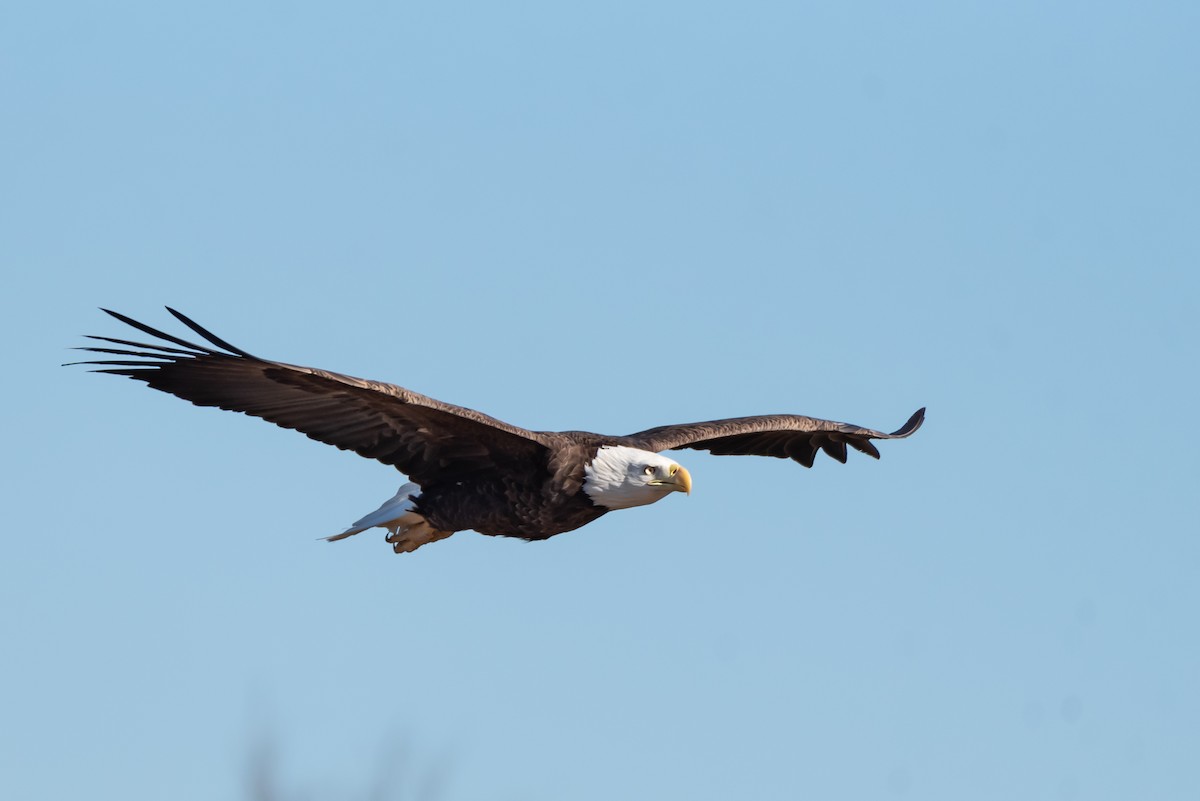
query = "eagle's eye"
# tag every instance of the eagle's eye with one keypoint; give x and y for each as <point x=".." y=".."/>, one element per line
<point x="648" y="470"/>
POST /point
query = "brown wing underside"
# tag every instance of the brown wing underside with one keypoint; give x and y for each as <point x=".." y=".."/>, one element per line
<point x="420" y="436"/>
<point x="784" y="436"/>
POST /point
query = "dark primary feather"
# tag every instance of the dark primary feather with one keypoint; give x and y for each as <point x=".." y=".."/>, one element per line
<point x="422" y="437"/>
<point x="784" y="436"/>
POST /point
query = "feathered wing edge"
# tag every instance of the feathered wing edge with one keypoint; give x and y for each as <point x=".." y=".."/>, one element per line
<point x="781" y="436"/>
<point x="421" y="436"/>
<point x="151" y="356"/>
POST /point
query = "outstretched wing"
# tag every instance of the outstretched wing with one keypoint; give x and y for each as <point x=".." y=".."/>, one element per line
<point x="785" y="436"/>
<point x="420" y="436"/>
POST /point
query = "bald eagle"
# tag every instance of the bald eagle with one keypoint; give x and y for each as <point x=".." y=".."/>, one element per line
<point x="467" y="470"/>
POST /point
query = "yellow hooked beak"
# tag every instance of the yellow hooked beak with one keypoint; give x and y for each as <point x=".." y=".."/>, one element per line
<point x="681" y="478"/>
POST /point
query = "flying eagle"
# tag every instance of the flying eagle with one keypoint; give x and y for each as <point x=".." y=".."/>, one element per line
<point x="467" y="470"/>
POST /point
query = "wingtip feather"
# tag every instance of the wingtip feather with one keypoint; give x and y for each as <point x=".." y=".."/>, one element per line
<point x="210" y="336"/>
<point x="154" y="332"/>
<point x="914" y="422"/>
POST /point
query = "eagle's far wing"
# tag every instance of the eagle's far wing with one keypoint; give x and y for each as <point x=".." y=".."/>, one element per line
<point x="420" y="436"/>
<point x="785" y="436"/>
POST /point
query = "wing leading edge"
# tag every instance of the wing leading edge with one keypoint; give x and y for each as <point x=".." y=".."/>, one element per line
<point x="783" y="436"/>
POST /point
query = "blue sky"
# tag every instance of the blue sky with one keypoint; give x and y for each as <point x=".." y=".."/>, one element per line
<point x="611" y="217"/>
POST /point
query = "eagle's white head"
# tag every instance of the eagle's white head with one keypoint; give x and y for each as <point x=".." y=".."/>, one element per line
<point x="620" y="477"/>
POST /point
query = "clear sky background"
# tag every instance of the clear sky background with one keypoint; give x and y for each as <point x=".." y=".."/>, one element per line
<point x="610" y="217"/>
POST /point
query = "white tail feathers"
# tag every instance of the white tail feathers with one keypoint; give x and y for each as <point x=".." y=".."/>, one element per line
<point x="396" y="507"/>
<point x="407" y="530"/>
